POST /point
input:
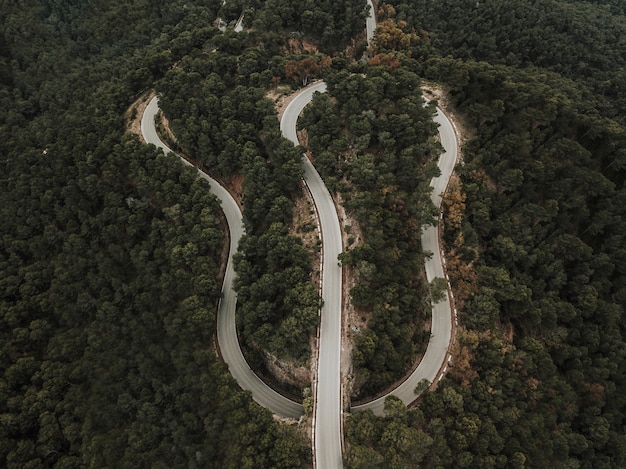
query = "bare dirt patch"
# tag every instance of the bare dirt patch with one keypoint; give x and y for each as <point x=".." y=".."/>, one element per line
<point x="306" y="228"/>
<point x="353" y="321"/>
<point x="282" y="95"/>
<point x="133" y="114"/>
<point x="286" y="373"/>
<point x="300" y="46"/>
<point x="165" y="124"/>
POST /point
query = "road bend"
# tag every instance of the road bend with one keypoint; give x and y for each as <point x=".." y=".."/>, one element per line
<point x="443" y="313"/>
<point x="226" y="328"/>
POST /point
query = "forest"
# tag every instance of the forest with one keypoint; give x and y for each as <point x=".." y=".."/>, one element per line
<point x="232" y="129"/>
<point x="111" y="251"/>
<point x="110" y="256"/>
<point x="534" y="233"/>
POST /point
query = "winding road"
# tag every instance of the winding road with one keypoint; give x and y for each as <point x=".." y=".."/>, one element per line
<point x="327" y="413"/>
<point x="226" y="327"/>
<point x="436" y="354"/>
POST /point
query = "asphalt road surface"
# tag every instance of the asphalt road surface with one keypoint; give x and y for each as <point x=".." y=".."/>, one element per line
<point x="226" y="330"/>
<point x="442" y="315"/>
<point x="370" y="23"/>
<point x="327" y="426"/>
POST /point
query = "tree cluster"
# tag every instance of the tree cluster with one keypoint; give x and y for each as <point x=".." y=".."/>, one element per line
<point x="331" y="25"/>
<point x="392" y="441"/>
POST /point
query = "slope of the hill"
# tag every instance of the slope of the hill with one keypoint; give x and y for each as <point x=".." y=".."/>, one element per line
<point x="535" y="239"/>
<point x="110" y="257"/>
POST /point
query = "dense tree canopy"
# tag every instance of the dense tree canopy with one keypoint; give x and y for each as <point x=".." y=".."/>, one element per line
<point x="110" y="259"/>
<point x="534" y="230"/>
<point x="329" y="23"/>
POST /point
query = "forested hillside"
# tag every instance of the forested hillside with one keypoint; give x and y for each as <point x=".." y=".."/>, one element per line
<point x="534" y="230"/>
<point x="576" y="39"/>
<point x="110" y="251"/>
<point x="110" y="258"/>
<point x="329" y="24"/>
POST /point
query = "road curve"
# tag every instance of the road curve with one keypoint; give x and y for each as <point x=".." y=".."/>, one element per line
<point x="442" y="314"/>
<point x="226" y="329"/>
<point x="327" y="423"/>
